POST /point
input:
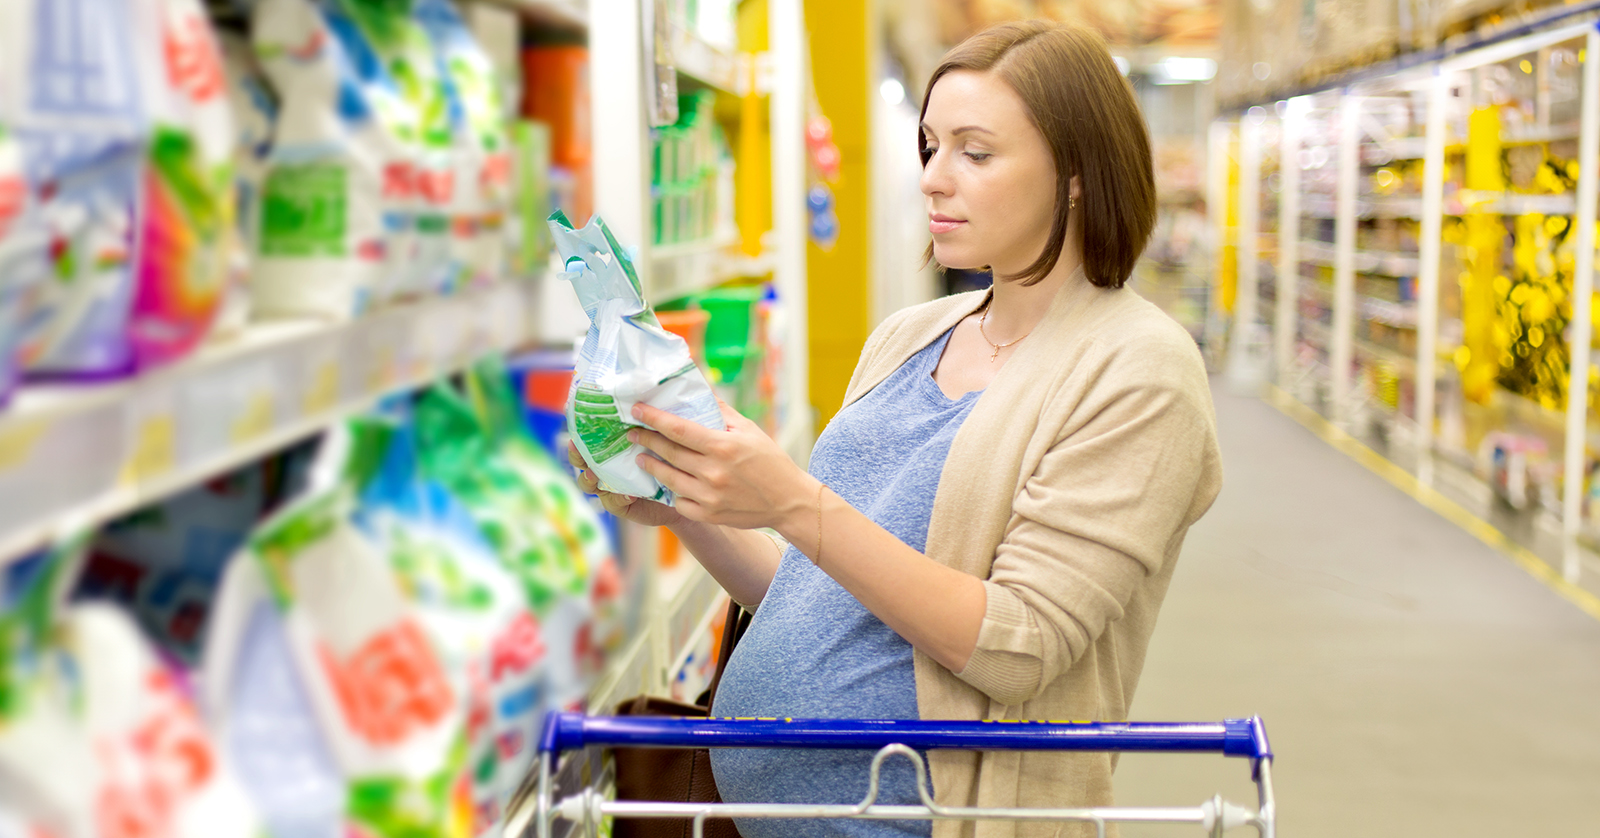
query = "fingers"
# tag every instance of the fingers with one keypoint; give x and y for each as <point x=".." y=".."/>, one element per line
<point x="680" y="482"/>
<point x="616" y="504"/>
<point x="676" y="428"/>
<point x="574" y="457"/>
<point x="730" y="417"/>
<point x="679" y="456"/>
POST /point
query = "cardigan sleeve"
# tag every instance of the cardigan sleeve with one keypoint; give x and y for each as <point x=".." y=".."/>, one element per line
<point x="1133" y="466"/>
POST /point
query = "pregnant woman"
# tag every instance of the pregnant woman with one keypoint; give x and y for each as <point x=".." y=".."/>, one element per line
<point x="990" y="523"/>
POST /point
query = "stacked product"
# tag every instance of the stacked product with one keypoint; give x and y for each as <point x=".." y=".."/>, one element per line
<point x="691" y="175"/>
<point x="349" y="153"/>
<point x="373" y="658"/>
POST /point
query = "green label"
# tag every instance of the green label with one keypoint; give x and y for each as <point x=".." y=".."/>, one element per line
<point x="599" y="424"/>
<point x="303" y="211"/>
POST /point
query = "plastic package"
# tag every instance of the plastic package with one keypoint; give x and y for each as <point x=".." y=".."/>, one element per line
<point x="134" y="159"/>
<point x="321" y="243"/>
<point x="99" y="738"/>
<point x="24" y="260"/>
<point x="480" y="144"/>
<point x="627" y="358"/>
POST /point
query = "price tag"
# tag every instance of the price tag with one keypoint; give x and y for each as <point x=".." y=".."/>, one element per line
<point x="17" y="440"/>
<point x="323" y="393"/>
<point x="254" y="420"/>
<point x="154" y="451"/>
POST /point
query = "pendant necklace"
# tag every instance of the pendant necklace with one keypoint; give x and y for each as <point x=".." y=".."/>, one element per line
<point x="997" y="346"/>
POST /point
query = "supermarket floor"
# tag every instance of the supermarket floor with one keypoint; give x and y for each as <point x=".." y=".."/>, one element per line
<point x="1414" y="681"/>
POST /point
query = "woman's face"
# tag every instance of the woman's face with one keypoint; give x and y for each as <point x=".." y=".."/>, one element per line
<point x="989" y="178"/>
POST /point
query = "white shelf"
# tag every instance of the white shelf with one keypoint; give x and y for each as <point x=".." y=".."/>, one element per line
<point x="1367" y="261"/>
<point x="567" y="13"/>
<point x="1406" y="364"/>
<point x="687" y="267"/>
<point x="709" y="65"/>
<point x="76" y="455"/>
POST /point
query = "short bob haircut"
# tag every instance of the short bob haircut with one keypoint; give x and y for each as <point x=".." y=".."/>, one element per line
<point x="1090" y="119"/>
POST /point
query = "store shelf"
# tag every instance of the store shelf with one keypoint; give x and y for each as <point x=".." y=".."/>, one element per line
<point x="706" y="64"/>
<point x="1405" y="363"/>
<point x="1366" y="261"/>
<point x="687" y="267"/>
<point x="75" y="455"/>
<point x="1389" y="313"/>
<point x="1510" y="204"/>
<point x="563" y="13"/>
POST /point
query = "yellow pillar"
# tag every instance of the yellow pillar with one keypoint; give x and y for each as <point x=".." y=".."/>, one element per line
<point x="838" y="280"/>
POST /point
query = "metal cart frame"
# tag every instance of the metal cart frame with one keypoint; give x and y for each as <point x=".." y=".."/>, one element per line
<point x="563" y="732"/>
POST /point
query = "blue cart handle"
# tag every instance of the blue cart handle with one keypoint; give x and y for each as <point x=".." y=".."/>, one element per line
<point x="1232" y="737"/>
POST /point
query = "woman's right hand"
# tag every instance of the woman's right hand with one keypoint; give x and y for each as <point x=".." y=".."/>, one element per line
<point x="637" y="510"/>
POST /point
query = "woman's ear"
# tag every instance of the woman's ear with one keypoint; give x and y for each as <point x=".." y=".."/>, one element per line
<point x="1075" y="188"/>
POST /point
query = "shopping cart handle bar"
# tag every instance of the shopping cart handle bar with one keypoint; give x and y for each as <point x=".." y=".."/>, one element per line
<point x="1233" y="737"/>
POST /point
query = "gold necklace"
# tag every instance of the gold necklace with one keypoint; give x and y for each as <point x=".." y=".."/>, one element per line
<point x="997" y="346"/>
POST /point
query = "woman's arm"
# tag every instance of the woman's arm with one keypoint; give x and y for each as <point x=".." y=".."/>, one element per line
<point x="741" y="479"/>
<point x="742" y="561"/>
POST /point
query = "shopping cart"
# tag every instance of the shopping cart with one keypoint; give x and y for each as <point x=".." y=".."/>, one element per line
<point x="573" y="731"/>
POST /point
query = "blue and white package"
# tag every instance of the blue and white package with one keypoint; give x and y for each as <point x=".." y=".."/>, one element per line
<point x="627" y="359"/>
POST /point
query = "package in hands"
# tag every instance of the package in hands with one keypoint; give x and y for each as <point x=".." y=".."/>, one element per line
<point x="627" y="359"/>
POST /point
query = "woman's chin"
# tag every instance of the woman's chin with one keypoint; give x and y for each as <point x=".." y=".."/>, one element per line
<point x="953" y="260"/>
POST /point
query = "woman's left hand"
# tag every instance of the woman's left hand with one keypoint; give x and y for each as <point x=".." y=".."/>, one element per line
<point x="738" y="478"/>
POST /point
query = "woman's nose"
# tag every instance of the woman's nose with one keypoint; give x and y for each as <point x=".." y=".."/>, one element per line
<point x="935" y="179"/>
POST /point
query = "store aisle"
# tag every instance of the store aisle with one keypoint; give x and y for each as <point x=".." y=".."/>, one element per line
<point x="1414" y="681"/>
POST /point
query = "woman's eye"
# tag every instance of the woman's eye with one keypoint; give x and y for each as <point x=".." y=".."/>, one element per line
<point x="978" y="156"/>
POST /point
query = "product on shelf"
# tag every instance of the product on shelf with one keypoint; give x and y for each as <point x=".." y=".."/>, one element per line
<point x="255" y="111"/>
<point x="98" y="737"/>
<point x="163" y="563"/>
<point x="527" y="234"/>
<point x="480" y="143"/>
<point x="392" y="52"/>
<point x="627" y="359"/>
<point x="335" y="167"/>
<point x="132" y="161"/>
<point x="24" y="258"/>
<point x="555" y="91"/>
<point x="690" y="172"/>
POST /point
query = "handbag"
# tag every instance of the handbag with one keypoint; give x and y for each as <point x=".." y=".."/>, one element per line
<point x="675" y="775"/>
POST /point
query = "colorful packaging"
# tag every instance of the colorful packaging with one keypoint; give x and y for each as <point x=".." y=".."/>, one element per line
<point x="401" y="55"/>
<point x="100" y="739"/>
<point x="321" y="244"/>
<point x="24" y="257"/>
<point x="479" y="142"/>
<point x="627" y="359"/>
<point x="475" y="613"/>
<point x="163" y="564"/>
<point x="134" y="160"/>
<point x="256" y="111"/>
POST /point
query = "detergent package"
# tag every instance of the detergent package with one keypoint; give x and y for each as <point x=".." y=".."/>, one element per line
<point x="321" y="243"/>
<point x="134" y="159"/>
<point x="480" y="144"/>
<point x="397" y="62"/>
<point x="24" y="254"/>
<point x="626" y="359"/>
<point x="98" y="736"/>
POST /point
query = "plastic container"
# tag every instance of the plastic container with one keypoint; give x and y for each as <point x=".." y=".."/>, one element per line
<point x="689" y="324"/>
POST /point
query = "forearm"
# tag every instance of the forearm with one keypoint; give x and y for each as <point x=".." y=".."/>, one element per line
<point x="742" y="561"/>
<point x="937" y="609"/>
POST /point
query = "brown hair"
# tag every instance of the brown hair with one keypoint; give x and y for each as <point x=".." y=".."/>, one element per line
<point x="1092" y="123"/>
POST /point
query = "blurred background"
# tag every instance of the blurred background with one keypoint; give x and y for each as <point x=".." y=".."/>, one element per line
<point x="288" y="543"/>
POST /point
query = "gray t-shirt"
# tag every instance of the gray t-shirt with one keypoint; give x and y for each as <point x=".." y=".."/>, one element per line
<point x="813" y="651"/>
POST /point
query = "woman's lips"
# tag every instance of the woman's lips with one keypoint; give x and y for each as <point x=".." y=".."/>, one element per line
<point x="937" y="225"/>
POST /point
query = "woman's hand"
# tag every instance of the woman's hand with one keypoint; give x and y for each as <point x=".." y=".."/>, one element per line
<point x="737" y="478"/>
<point x="637" y="510"/>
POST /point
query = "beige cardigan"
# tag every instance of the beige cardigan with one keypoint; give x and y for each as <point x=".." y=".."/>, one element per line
<point x="1069" y="489"/>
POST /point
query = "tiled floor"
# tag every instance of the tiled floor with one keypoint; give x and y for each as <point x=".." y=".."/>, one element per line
<point x="1414" y="681"/>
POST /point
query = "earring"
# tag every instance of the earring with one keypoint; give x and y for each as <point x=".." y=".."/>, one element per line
<point x="1072" y="204"/>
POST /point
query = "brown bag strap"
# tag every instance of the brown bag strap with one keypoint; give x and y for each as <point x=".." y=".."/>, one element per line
<point x="734" y="626"/>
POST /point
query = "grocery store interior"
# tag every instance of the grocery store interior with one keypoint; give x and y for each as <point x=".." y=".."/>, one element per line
<point x="289" y="540"/>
